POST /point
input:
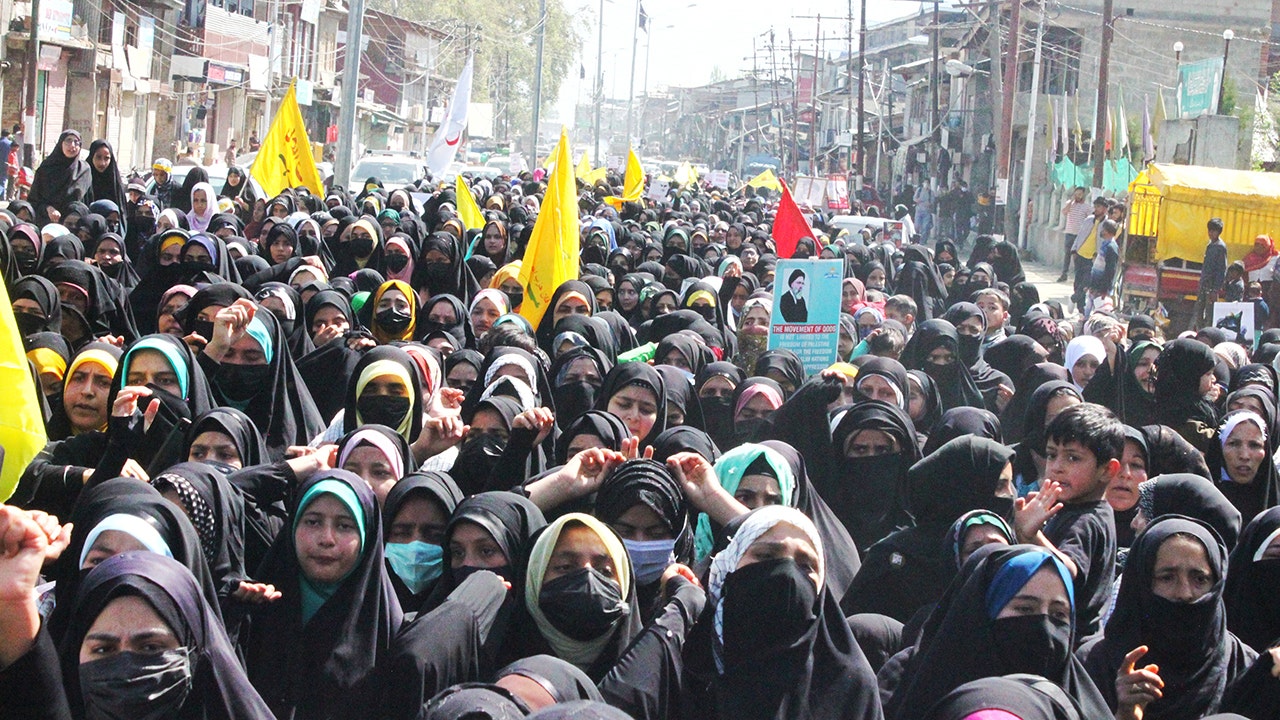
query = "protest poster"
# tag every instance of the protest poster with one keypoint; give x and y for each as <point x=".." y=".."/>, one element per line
<point x="806" y="311"/>
<point x="894" y="232"/>
<point x="1237" y="319"/>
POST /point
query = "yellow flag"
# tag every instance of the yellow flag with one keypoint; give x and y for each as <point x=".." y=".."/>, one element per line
<point x="21" y="423"/>
<point x="584" y="168"/>
<point x="552" y="255"/>
<point x="686" y="175"/>
<point x="468" y="211"/>
<point x="632" y="182"/>
<point x="285" y="161"/>
<point x="596" y="176"/>
<point x="767" y="180"/>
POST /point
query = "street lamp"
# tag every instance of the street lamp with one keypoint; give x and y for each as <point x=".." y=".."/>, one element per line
<point x="1177" y="52"/>
<point x="1227" y="35"/>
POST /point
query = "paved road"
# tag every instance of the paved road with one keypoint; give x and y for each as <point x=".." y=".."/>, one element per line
<point x="1045" y="278"/>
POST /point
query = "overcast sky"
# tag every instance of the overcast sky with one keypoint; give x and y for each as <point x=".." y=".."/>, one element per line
<point x="690" y="38"/>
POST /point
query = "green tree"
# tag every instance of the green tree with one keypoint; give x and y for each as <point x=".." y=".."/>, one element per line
<point x="504" y="36"/>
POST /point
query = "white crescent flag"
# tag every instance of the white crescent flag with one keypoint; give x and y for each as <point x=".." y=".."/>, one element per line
<point x="444" y="145"/>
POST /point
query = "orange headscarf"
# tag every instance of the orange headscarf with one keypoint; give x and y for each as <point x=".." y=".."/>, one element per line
<point x="1264" y="248"/>
<point x="383" y="337"/>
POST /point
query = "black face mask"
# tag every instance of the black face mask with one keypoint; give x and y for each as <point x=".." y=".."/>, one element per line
<point x="1002" y="506"/>
<point x="1032" y="644"/>
<point x="583" y="604"/>
<point x="198" y="266"/>
<point x="766" y="605"/>
<point x="514" y="299"/>
<point x="75" y="326"/>
<point x="749" y="430"/>
<point x="717" y="413"/>
<point x="397" y="262"/>
<point x="707" y="312"/>
<point x="574" y="399"/>
<point x="241" y="383"/>
<point x="970" y="346"/>
<point x="220" y="466"/>
<point x="203" y="328"/>
<point x="881" y="469"/>
<point x="29" y="324"/>
<point x="476" y="460"/>
<point x="362" y="247"/>
<point x="1177" y="629"/>
<point x="388" y="410"/>
<point x="393" y="320"/>
<point x="438" y="274"/>
<point x="132" y="686"/>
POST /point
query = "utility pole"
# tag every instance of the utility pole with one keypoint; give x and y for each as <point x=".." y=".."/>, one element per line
<point x="273" y="57"/>
<point x="1024" y="198"/>
<point x="813" y="104"/>
<point x="599" y="98"/>
<point x="350" y="93"/>
<point x="848" y="125"/>
<point x="631" y="87"/>
<point x="935" y="132"/>
<point x="997" y="87"/>
<point x="538" y="80"/>
<point x="795" y="105"/>
<point x="29" y="132"/>
<point x="773" y="81"/>
<point x="862" y="75"/>
<point x="426" y="98"/>
<point x="1004" y="148"/>
<point x="755" y="91"/>
<point x="1100" y="124"/>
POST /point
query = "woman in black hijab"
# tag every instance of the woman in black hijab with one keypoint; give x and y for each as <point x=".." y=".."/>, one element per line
<point x="684" y="351"/>
<point x="637" y="394"/>
<point x="44" y="294"/>
<point x="1013" y="418"/>
<point x="1014" y="355"/>
<point x="1244" y="442"/>
<point x="445" y="271"/>
<point x="1025" y="697"/>
<point x="201" y="678"/>
<point x="489" y="531"/>
<point x="316" y="652"/>
<point x="982" y="629"/>
<point x="772" y="641"/>
<point x="182" y="200"/>
<point x="416" y="514"/>
<point x="935" y="349"/>
<point x="924" y="402"/>
<point x="1184" y="373"/>
<point x="63" y="178"/>
<point x="783" y="367"/>
<point x="106" y="184"/>
<point x="287" y="307"/>
<point x="272" y="393"/>
<point x="106" y="310"/>
<point x="570" y="295"/>
<point x="873" y="445"/>
<point x="1006" y="263"/>
<point x="912" y="567"/>
<point x="647" y="508"/>
<point x="1170" y="601"/>
<point x="716" y="398"/>
<point x="987" y="379"/>
<point x="577" y="376"/>
<point x="451" y="317"/>
<point x="683" y="407"/>
<point x="1253" y="608"/>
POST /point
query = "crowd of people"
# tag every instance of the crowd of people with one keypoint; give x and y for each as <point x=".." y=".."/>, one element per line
<point x="307" y="459"/>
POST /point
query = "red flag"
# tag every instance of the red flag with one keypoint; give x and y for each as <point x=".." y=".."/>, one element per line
<point x="790" y="225"/>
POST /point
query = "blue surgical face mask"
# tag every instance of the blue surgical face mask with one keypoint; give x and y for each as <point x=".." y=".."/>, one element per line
<point x="649" y="558"/>
<point x="417" y="563"/>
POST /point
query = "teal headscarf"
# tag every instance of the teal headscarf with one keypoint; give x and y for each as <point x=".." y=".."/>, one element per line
<point x="259" y="332"/>
<point x="314" y="595"/>
<point x="729" y="470"/>
<point x="170" y="353"/>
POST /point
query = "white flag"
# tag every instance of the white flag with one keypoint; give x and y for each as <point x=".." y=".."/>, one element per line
<point x="444" y="145"/>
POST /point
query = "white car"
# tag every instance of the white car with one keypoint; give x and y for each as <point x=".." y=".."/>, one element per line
<point x="217" y="177"/>
<point x="393" y="171"/>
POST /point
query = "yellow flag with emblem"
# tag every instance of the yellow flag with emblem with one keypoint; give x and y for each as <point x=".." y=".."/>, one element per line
<point x="766" y="180"/>
<point x="552" y="255"/>
<point x="632" y="182"/>
<point x="468" y="210"/>
<point x="21" y="422"/>
<point x="285" y="161"/>
<point x="686" y="175"/>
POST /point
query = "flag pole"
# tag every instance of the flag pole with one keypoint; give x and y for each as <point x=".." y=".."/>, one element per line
<point x="350" y="92"/>
<point x="631" y="91"/>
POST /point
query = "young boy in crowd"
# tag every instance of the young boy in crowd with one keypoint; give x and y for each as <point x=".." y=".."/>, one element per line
<point x="1069" y="515"/>
<point x="995" y="306"/>
<point x="903" y="309"/>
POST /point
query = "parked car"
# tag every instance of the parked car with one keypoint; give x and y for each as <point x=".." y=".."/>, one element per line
<point x="394" y="171"/>
<point x="217" y="177"/>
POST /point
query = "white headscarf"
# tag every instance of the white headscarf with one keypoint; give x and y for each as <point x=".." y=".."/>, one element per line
<point x="200" y="223"/>
<point x="1080" y="347"/>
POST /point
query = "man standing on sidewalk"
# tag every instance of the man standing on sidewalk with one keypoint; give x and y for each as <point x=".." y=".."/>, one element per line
<point x="1076" y="212"/>
<point x="1212" y="274"/>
